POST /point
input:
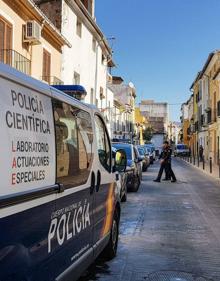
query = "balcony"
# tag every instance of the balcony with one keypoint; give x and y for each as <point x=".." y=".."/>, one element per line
<point x="16" y="60"/>
<point x="52" y="80"/>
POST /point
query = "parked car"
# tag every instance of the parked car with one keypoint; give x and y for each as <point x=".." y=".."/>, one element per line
<point x="147" y="153"/>
<point x="181" y="150"/>
<point x="151" y="153"/>
<point x="121" y="180"/>
<point x="58" y="201"/>
<point x="134" y="168"/>
<point x="139" y="160"/>
<point x="143" y="153"/>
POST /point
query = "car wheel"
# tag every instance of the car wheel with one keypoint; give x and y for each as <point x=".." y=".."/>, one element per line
<point x="110" y="250"/>
<point x="136" y="184"/>
<point x="145" y="168"/>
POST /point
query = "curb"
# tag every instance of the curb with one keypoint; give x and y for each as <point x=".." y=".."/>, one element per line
<point x="199" y="169"/>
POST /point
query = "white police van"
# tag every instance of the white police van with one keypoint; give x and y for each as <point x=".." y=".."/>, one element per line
<point x="58" y="205"/>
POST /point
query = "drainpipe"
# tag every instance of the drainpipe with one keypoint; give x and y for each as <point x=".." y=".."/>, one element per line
<point x="96" y="72"/>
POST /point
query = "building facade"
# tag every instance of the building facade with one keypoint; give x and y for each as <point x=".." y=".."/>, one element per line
<point x="205" y="123"/>
<point x="88" y="60"/>
<point x="173" y="132"/>
<point x="140" y="125"/>
<point x="156" y="114"/>
<point x="124" y="109"/>
<point x="185" y="123"/>
<point x="30" y="42"/>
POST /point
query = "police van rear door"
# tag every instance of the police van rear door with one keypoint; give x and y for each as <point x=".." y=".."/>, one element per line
<point x="105" y="184"/>
<point x="70" y="232"/>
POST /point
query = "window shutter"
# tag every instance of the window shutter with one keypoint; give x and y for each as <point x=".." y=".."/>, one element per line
<point x="46" y="66"/>
<point x="8" y="44"/>
<point x="2" y="37"/>
<point x="5" y="41"/>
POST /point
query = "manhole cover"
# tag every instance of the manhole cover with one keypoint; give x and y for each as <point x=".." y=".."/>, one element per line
<point x="174" y="276"/>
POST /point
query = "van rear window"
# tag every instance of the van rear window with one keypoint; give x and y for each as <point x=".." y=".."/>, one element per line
<point x="74" y="138"/>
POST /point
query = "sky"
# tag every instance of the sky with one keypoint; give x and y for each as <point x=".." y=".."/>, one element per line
<point x="160" y="45"/>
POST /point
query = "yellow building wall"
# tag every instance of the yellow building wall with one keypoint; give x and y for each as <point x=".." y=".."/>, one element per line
<point x="140" y="120"/>
<point x="16" y="21"/>
<point x="185" y="134"/>
<point x="37" y="60"/>
<point x="214" y="126"/>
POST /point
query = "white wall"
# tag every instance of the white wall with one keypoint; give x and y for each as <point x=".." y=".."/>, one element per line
<point x="81" y="58"/>
<point x="155" y="109"/>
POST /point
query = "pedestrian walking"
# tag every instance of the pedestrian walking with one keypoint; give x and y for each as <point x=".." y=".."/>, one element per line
<point x="165" y="164"/>
<point x="201" y="152"/>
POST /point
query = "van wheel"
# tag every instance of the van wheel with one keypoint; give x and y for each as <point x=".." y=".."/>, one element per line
<point x="111" y="249"/>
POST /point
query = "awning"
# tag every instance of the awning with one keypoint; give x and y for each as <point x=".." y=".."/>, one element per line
<point x="76" y="91"/>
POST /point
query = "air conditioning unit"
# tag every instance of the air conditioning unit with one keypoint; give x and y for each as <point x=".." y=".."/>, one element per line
<point x="32" y="32"/>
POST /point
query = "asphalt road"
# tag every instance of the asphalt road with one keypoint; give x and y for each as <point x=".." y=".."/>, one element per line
<point x="168" y="231"/>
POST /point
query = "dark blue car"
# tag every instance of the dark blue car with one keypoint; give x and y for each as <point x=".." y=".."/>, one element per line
<point x="134" y="167"/>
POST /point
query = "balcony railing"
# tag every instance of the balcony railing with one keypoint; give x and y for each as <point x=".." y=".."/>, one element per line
<point x="16" y="60"/>
<point x="52" y="80"/>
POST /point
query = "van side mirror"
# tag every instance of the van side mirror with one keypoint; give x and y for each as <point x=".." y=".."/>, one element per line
<point x="120" y="161"/>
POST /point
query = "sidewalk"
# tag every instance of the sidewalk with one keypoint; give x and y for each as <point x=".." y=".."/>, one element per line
<point x="214" y="171"/>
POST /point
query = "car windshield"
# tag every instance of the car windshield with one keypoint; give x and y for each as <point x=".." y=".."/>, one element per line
<point x="149" y="148"/>
<point x="127" y="149"/>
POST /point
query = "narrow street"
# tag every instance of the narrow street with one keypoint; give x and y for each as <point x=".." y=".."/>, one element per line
<point x="168" y="231"/>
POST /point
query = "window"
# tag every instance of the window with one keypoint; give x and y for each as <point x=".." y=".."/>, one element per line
<point x="93" y="44"/>
<point x="88" y="5"/>
<point x="79" y="28"/>
<point x="5" y="41"/>
<point x="218" y="108"/>
<point x="101" y="93"/>
<point x="103" y="144"/>
<point x="46" y="66"/>
<point x="200" y="90"/>
<point x="76" y="78"/>
<point x="103" y="59"/>
<point x="74" y="138"/>
<point x="92" y="96"/>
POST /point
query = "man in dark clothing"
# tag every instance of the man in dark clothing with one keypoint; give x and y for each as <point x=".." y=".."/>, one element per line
<point x="165" y="164"/>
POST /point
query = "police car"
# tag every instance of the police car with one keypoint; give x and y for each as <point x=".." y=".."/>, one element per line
<point x="58" y="200"/>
